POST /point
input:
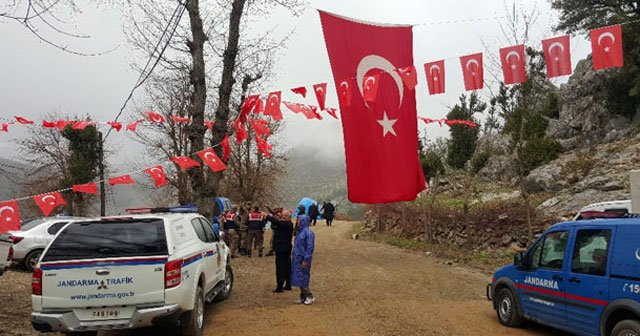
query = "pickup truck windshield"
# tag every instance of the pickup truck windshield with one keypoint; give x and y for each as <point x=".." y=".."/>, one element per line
<point x="112" y="239"/>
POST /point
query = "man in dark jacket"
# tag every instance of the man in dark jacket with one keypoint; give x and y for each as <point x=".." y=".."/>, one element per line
<point x="328" y="211"/>
<point x="313" y="213"/>
<point x="282" y="233"/>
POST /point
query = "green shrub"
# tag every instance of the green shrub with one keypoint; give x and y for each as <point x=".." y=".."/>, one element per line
<point x="538" y="152"/>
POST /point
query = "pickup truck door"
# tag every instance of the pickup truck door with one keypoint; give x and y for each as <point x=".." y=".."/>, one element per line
<point x="588" y="278"/>
<point x="215" y="254"/>
<point x="541" y="285"/>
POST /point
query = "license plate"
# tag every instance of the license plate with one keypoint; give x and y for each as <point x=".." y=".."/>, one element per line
<point x="105" y="314"/>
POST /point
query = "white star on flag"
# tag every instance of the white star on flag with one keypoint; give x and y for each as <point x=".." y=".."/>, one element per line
<point x="387" y="125"/>
<point x="606" y="49"/>
<point x="513" y="66"/>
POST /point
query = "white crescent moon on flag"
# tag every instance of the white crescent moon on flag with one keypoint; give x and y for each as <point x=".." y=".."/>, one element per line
<point x="156" y="171"/>
<point x="370" y="79"/>
<point x="345" y="85"/>
<point x="271" y="99"/>
<point x="207" y="156"/>
<point x="319" y="89"/>
<point x="434" y="66"/>
<point x="556" y="45"/>
<point x="472" y="61"/>
<point x="512" y="53"/>
<point x="371" y="62"/>
<point x="46" y="197"/>
<point x="7" y="208"/>
<point x="606" y="34"/>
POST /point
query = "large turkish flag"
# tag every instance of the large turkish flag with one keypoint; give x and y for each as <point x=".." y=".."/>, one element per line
<point x="381" y="136"/>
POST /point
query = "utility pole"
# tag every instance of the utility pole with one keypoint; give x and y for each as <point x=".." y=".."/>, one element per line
<point x="101" y="172"/>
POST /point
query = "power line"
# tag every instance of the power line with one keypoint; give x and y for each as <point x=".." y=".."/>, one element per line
<point x="175" y="21"/>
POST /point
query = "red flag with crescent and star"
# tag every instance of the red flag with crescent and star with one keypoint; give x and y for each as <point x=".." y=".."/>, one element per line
<point x="557" y="56"/>
<point x="24" y="121"/>
<point x="184" y="162"/>
<point x="344" y="92"/>
<point x="435" y="77"/>
<point x="381" y="134"/>
<point x="211" y="159"/>
<point x="157" y="175"/>
<point x="321" y="94"/>
<point x="606" y="44"/>
<point x="156" y="118"/>
<point x="87" y="188"/>
<point x="370" y="85"/>
<point x="513" y="64"/>
<point x="123" y="179"/>
<point x="473" y="71"/>
<point x="49" y="202"/>
<point x="272" y="108"/>
<point x="409" y="76"/>
<point x="9" y="216"/>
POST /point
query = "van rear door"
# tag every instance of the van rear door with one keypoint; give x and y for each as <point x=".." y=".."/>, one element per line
<point x="105" y="263"/>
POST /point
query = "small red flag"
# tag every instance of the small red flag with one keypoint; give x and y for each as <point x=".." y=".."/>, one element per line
<point x="557" y="55"/>
<point x="9" y="216"/>
<point x="24" y="121"/>
<point x="273" y="105"/>
<point x="241" y="131"/>
<point x="435" y="77"/>
<point x="473" y="71"/>
<point x="115" y="125"/>
<point x="315" y="112"/>
<point x="48" y="124"/>
<point x="606" y="44"/>
<point x="226" y="148"/>
<point x="264" y="147"/>
<point x="209" y="124"/>
<point x="259" y="108"/>
<point x="80" y="125"/>
<point x="184" y="162"/>
<point x="5" y="127"/>
<point x="260" y="127"/>
<point x="124" y="179"/>
<point x="513" y="64"/>
<point x="157" y="174"/>
<point x="180" y="120"/>
<point x="49" y="202"/>
<point x="332" y="112"/>
<point x="88" y="188"/>
<point x="307" y="111"/>
<point x="370" y="87"/>
<point x="301" y="91"/>
<point x="409" y="76"/>
<point x="134" y="125"/>
<point x="344" y="93"/>
<point x="62" y="124"/>
<point x="156" y="118"/>
<point x="248" y="106"/>
<point x="211" y="159"/>
<point x="321" y="94"/>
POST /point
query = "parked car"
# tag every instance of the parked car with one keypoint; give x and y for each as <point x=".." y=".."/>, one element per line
<point x="34" y="237"/>
<point x="148" y="269"/>
<point x="581" y="276"/>
<point x="6" y="254"/>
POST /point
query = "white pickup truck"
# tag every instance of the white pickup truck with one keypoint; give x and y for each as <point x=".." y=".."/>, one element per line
<point x="6" y="254"/>
<point x="125" y="272"/>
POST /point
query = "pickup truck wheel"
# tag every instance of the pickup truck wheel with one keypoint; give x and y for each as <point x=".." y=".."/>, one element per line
<point x="627" y="328"/>
<point x="192" y="323"/>
<point x="507" y="309"/>
<point x="228" y="284"/>
<point x="31" y="260"/>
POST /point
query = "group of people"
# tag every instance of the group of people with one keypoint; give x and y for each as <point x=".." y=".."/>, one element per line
<point x="244" y="232"/>
<point x="327" y="210"/>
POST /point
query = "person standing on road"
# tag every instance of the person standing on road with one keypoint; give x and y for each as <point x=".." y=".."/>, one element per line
<point x="328" y="211"/>
<point x="255" y="227"/>
<point x="231" y="229"/>
<point x="282" y="233"/>
<point x="313" y="213"/>
<point x="301" y="260"/>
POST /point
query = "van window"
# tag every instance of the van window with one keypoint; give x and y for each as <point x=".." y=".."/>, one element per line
<point x="590" y="252"/>
<point x="114" y="239"/>
<point x="199" y="231"/>
<point x="549" y="252"/>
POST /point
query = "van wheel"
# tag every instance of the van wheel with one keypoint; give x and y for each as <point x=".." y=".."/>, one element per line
<point x="627" y="328"/>
<point x="192" y="323"/>
<point x="31" y="260"/>
<point x="507" y="309"/>
<point x="228" y="285"/>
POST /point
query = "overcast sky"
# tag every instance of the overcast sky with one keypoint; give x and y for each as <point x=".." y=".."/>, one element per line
<point x="37" y="79"/>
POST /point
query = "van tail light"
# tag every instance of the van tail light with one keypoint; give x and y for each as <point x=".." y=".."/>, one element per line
<point x="172" y="273"/>
<point x="15" y="239"/>
<point x="36" y="282"/>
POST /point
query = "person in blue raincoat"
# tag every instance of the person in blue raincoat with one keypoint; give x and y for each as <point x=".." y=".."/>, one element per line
<point x="301" y="260"/>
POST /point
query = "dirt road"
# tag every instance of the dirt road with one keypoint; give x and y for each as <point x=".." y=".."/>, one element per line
<point x="361" y="288"/>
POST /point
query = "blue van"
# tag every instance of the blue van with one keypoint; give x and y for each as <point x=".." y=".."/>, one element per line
<point x="582" y="277"/>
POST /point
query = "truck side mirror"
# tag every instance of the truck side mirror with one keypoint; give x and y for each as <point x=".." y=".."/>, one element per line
<point x="518" y="260"/>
